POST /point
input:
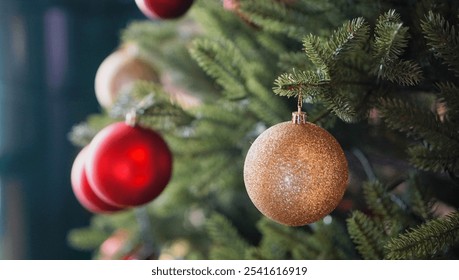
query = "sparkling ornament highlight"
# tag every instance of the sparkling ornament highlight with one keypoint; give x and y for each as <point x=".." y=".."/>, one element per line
<point x="118" y="73"/>
<point x="83" y="191"/>
<point x="295" y="172"/>
<point x="164" y="9"/>
<point x="128" y="165"/>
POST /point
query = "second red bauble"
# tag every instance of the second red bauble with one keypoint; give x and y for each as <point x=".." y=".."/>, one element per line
<point x="128" y="165"/>
<point x="164" y="9"/>
<point x="83" y="191"/>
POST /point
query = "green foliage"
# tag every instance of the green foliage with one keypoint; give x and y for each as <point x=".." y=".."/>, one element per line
<point x="86" y="238"/>
<point x="402" y="72"/>
<point x="228" y="245"/>
<point x="350" y="37"/>
<point x="229" y="76"/>
<point x="82" y="133"/>
<point x="381" y="203"/>
<point x="433" y="159"/>
<point x="289" y="19"/>
<point x="418" y="236"/>
<point x="420" y="199"/>
<point x="388" y="218"/>
<point x="324" y="55"/>
<point x="449" y="94"/>
<point x="367" y="235"/>
<point x="153" y="106"/>
<point x="313" y="83"/>
<point x="321" y="241"/>
<point x="441" y="137"/>
<point x="344" y="66"/>
<point x="442" y="37"/>
<point x="426" y="241"/>
<point x="102" y="227"/>
<point x="391" y="38"/>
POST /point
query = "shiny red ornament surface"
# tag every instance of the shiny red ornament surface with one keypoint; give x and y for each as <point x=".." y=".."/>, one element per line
<point x="164" y="9"/>
<point x="128" y="166"/>
<point x="83" y="191"/>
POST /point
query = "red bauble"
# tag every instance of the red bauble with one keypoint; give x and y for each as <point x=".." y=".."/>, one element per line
<point x="164" y="9"/>
<point x="128" y="165"/>
<point x="83" y="191"/>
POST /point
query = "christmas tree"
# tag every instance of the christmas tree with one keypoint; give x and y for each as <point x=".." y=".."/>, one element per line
<point x="380" y="76"/>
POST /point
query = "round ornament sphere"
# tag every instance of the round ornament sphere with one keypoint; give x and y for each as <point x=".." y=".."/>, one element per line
<point x="118" y="73"/>
<point x="295" y="173"/>
<point x="164" y="9"/>
<point x="83" y="191"/>
<point x="128" y="165"/>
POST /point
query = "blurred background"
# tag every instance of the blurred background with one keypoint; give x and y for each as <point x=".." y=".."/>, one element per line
<point x="49" y="53"/>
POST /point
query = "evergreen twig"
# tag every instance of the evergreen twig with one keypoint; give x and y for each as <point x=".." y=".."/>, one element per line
<point x="426" y="241"/>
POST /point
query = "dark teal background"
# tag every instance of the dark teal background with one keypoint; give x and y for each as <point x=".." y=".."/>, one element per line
<point x="49" y="54"/>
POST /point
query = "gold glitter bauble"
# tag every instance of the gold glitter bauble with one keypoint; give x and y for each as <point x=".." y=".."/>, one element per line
<point x="295" y="173"/>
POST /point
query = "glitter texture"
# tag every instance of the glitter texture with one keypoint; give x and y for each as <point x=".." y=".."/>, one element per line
<point x="295" y="174"/>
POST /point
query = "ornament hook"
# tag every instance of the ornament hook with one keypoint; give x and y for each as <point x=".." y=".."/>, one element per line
<point x="299" y="117"/>
<point x="131" y="118"/>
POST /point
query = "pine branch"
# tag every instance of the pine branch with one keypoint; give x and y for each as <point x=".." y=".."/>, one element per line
<point x="367" y="236"/>
<point x="324" y="242"/>
<point x="380" y="202"/>
<point x="193" y="145"/>
<point x="228" y="244"/>
<point x="82" y="133"/>
<point x="293" y="60"/>
<point x="276" y="241"/>
<point x="449" y="93"/>
<point x="228" y="114"/>
<point x="391" y="37"/>
<point x="443" y="39"/>
<point x="222" y="61"/>
<point x="350" y="37"/>
<point x="427" y="240"/>
<point x="147" y="35"/>
<point x="420" y="199"/>
<point x="331" y="241"/>
<point x="311" y="84"/>
<point x="315" y="49"/>
<point x="209" y="168"/>
<point x="417" y="123"/>
<point x="154" y="107"/>
<point x="290" y="20"/>
<point x="316" y="85"/>
<point x="321" y="116"/>
<point x="273" y="16"/>
<point x="274" y="110"/>
<point x="403" y="72"/>
<point x="434" y="159"/>
<point x="341" y="106"/>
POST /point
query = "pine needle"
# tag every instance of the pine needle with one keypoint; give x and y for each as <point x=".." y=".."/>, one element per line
<point x="426" y="241"/>
<point x="367" y="236"/>
<point x="443" y="39"/>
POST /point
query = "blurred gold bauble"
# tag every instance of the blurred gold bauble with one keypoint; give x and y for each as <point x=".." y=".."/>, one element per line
<point x="295" y="173"/>
<point x="118" y="73"/>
